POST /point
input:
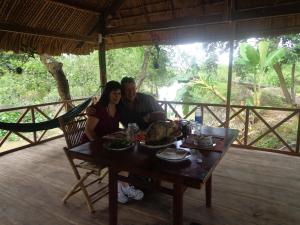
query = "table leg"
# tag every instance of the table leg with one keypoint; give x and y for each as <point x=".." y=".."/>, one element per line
<point x="113" y="195"/>
<point x="178" y="204"/>
<point x="208" y="187"/>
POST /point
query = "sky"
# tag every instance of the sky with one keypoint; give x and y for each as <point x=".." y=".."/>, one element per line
<point x="193" y="52"/>
<point x="196" y="51"/>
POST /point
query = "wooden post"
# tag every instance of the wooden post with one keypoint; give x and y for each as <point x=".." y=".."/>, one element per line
<point x="102" y="60"/>
<point x="33" y="121"/>
<point x="229" y="80"/>
<point x="208" y="188"/>
<point x="246" y="127"/>
<point x="298" y="135"/>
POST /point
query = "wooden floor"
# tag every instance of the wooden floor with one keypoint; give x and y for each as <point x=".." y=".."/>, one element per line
<point x="249" y="187"/>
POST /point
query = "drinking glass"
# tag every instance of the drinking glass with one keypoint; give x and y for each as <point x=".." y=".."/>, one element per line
<point x="192" y="127"/>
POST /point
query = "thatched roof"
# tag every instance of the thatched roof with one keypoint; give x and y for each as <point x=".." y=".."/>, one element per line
<point x="72" y="26"/>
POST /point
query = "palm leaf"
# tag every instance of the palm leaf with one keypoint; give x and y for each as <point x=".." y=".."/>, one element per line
<point x="263" y="47"/>
<point x="275" y="56"/>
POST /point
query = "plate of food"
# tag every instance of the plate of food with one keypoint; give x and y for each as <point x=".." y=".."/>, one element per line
<point x="118" y="145"/>
<point x="160" y="134"/>
<point x="173" y="155"/>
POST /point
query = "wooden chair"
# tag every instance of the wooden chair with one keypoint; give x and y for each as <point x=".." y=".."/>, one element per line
<point x="73" y="132"/>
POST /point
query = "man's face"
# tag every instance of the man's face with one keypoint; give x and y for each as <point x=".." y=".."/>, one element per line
<point x="130" y="92"/>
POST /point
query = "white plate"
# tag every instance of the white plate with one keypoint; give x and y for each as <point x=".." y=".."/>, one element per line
<point x="160" y="156"/>
<point x="105" y="145"/>
<point x="156" y="146"/>
<point x="176" y="160"/>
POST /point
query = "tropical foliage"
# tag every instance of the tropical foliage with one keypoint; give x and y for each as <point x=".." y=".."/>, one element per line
<point x="265" y="73"/>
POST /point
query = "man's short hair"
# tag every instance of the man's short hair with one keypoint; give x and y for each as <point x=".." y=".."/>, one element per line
<point x="127" y="80"/>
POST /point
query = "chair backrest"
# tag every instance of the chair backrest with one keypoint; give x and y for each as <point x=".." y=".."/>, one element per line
<point x="73" y="130"/>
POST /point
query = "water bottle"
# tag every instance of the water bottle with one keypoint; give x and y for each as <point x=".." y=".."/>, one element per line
<point x="199" y="121"/>
<point x="198" y="116"/>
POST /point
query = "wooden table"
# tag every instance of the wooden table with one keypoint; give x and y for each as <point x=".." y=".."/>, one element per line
<point x="142" y="161"/>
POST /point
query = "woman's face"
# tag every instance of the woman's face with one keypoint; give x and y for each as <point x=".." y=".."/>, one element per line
<point x="115" y="96"/>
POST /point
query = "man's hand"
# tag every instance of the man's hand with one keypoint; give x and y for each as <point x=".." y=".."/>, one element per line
<point x="90" y="111"/>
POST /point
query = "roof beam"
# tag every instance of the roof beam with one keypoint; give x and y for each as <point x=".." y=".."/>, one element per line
<point x="76" y="6"/>
<point x="236" y="15"/>
<point x="110" y="8"/>
<point x="269" y="11"/>
<point x="164" y="25"/>
<point x="13" y="28"/>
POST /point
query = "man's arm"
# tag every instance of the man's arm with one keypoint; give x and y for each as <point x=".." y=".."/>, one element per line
<point x="155" y="107"/>
<point x="157" y="113"/>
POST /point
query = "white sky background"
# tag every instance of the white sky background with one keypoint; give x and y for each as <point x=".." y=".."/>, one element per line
<point x="196" y="52"/>
<point x="183" y="56"/>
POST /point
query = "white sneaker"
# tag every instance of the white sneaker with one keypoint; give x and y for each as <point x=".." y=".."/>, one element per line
<point x="122" y="198"/>
<point x="132" y="192"/>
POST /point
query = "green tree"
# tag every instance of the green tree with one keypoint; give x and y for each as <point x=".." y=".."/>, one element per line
<point x="292" y="44"/>
<point x="256" y="62"/>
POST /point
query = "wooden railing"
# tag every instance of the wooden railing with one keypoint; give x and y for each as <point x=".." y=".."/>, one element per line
<point x="12" y="141"/>
<point x="262" y="128"/>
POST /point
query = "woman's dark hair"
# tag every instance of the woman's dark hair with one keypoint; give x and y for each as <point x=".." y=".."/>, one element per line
<point x="109" y="87"/>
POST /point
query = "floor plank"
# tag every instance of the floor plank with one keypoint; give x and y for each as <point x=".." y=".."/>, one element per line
<point x="249" y="188"/>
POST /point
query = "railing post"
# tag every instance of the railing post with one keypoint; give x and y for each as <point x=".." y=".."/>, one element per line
<point x="166" y="108"/>
<point x="33" y="121"/>
<point x="298" y="134"/>
<point x="246" y="127"/>
<point x="202" y="113"/>
<point x="229" y="77"/>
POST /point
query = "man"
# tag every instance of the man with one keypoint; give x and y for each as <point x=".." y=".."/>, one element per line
<point x="138" y="108"/>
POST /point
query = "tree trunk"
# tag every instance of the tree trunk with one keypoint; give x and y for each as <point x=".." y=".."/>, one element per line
<point x="293" y="93"/>
<point x="284" y="89"/>
<point x="143" y="73"/>
<point x="55" y="69"/>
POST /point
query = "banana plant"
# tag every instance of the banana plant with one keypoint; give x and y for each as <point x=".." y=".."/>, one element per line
<point x="257" y="61"/>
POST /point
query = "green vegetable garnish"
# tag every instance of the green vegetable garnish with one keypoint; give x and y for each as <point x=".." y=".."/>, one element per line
<point x="119" y="144"/>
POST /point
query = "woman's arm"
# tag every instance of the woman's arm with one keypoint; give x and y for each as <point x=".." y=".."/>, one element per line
<point x="90" y="126"/>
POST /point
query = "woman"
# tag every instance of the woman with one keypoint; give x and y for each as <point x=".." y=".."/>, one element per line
<point x="106" y="118"/>
<point x="105" y="121"/>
